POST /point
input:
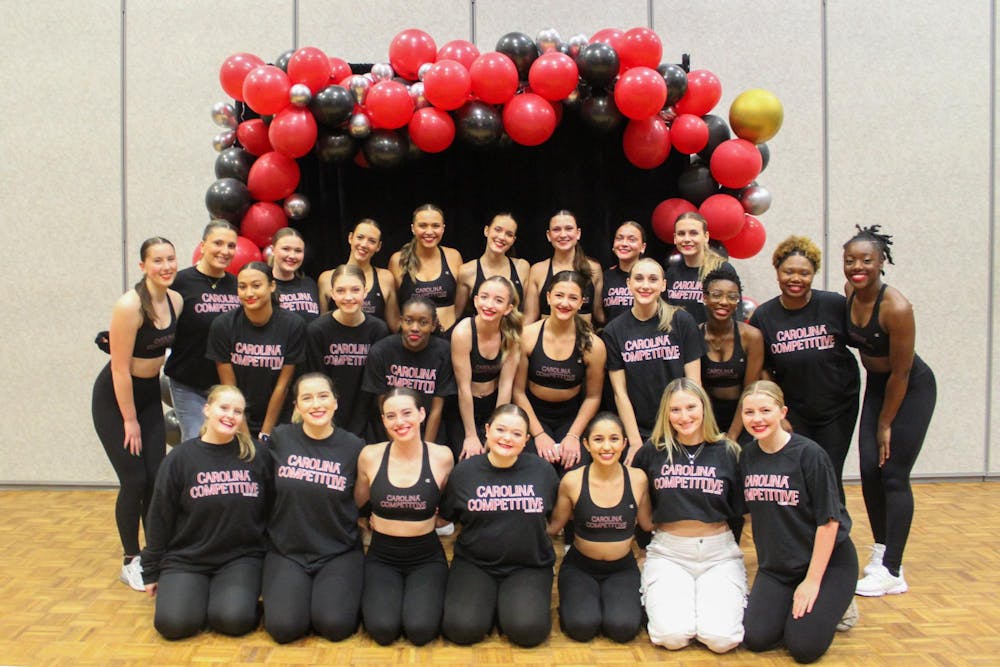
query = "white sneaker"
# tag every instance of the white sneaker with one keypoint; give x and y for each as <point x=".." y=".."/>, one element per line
<point x="878" y="551"/>
<point x="850" y="618"/>
<point x="445" y="530"/>
<point x="881" y="582"/>
<point x="132" y="575"/>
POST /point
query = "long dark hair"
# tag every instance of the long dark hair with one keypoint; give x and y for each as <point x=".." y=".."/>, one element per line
<point x="141" y="289"/>
<point x="583" y="328"/>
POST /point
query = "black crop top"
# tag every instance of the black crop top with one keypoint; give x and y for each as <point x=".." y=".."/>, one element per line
<point x="588" y="294"/>
<point x="441" y="290"/>
<point x="604" y="524"/>
<point x="483" y="369"/>
<point x="150" y="342"/>
<point x="545" y="371"/>
<point x="728" y="373"/>
<point x="515" y="281"/>
<point x="871" y="339"/>
<point x="414" y="503"/>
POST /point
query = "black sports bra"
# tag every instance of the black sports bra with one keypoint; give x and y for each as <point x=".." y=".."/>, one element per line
<point x="871" y="339"/>
<point x="545" y="371"/>
<point x="728" y="373"/>
<point x="483" y="369"/>
<point x="604" y="524"/>
<point x="150" y="342"/>
<point x="481" y="278"/>
<point x="413" y="503"/>
<point x="588" y="294"/>
<point x="441" y="290"/>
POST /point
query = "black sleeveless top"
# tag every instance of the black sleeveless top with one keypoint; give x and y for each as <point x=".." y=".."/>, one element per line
<point x="483" y="369"/>
<point x="604" y="524"/>
<point x="588" y="294"/>
<point x="481" y="278"/>
<point x="150" y="342"/>
<point x="871" y="339"/>
<point x="555" y="373"/>
<point x="414" y="503"/>
<point x="728" y="373"/>
<point x="441" y="290"/>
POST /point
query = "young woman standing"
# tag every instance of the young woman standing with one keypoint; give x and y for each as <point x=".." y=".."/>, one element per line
<point x="297" y="293"/>
<point x="500" y="236"/>
<point x="628" y="245"/>
<point x="697" y="260"/>
<point x="125" y="403"/>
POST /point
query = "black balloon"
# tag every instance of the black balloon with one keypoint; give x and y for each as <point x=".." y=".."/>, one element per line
<point x="598" y="64"/>
<point x="718" y="131"/>
<point x="600" y="113"/>
<point x="385" y="149"/>
<point x="478" y="124"/>
<point x="281" y="61"/>
<point x="765" y="155"/>
<point x="336" y="147"/>
<point x="332" y="106"/>
<point x="228" y="199"/>
<point x="696" y="183"/>
<point x="521" y="49"/>
<point x="677" y="82"/>
<point x="234" y="163"/>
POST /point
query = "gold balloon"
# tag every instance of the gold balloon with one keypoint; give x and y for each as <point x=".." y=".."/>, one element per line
<point x="756" y="115"/>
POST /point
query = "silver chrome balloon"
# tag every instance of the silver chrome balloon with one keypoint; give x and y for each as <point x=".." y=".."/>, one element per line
<point x="224" y="115"/>
<point x="422" y="70"/>
<point x="359" y="85"/>
<point x="756" y="199"/>
<point x="548" y="40"/>
<point x="360" y="126"/>
<point x="300" y="95"/>
<point x="417" y="95"/>
<point x="296" y="206"/>
<point x="382" y="72"/>
<point x="224" y="140"/>
<point x="577" y="42"/>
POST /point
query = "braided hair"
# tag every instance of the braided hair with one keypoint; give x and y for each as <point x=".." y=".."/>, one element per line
<point x="874" y="236"/>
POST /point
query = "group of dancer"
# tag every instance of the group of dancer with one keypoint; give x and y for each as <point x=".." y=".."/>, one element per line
<point x="279" y="381"/>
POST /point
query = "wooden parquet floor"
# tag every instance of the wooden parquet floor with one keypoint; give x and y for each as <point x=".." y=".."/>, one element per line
<point x="61" y="602"/>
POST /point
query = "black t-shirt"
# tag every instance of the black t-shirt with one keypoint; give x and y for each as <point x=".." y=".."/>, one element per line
<point x="341" y="352"/>
<point x="428" y="371"/>
<point x="503" y="512"/>
<point x="205" y="298"/>
<point x="684" y="288"/>
<point x="789" y="495"/>
<point x="209" y="507"/>
<point x="257" y="354"/>
<point x="806" y="352"/>
<point x="314" y="517"/>
<point x="708" y="490"/>
<point x="300" y="296"/>
<point x="615" y="295"/>
<point x="650" y="358"/>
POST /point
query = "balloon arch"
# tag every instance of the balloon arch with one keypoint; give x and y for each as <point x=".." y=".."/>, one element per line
<point x="451" y="122"/>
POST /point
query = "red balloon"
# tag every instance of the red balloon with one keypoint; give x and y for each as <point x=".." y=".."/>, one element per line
<point x="703" y="92"/>
<point x="273" y="176"/>
<point x="266" y="90"/>
<point x="640" y="47"/>
<point x="688" y="134"/>
<point x="447" y="84"/>
<point x="749" y="241"/>
<point x="389" y="105"/>
<point x="409" y="50"/>
<point x="725" y="216"/>
<point x="612" y="37"/>
<point x="735" y="163"/>
<point x="529" y="119"/>
<point x="494" y="78"/>
<point x="432" y="130"/>
<point x="252" y="135"/>
<point x="665" y="215"/>
<point x="234" y="71"/>
<point x="461" y="50"/>
<point x="261" y="221"/>
<point x="293" y="131"/>
<point x="310" y="66"/>
<point x="647" y="142"/>
<point x="553" y="75"/>
<point x="339" y="69"/>
<point x="640" y="93"/>
<point x="246" y="252"/>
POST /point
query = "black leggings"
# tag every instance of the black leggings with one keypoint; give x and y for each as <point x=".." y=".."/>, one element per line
<point x="136" y="474"/>
<point x="888" y="497"/>
<point x="768" y="621"/>
<point x="405" y="579"/>
<point x="519" y="601"/>
<point x="226" y="598"/>
<point x="596" y="595"/>
<point x="833" y="436"/>
<point x="326" y="598"/>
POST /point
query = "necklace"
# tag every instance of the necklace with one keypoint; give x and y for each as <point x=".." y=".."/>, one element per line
<point x="781" y="300"/>
<point x="691" y="457"/>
